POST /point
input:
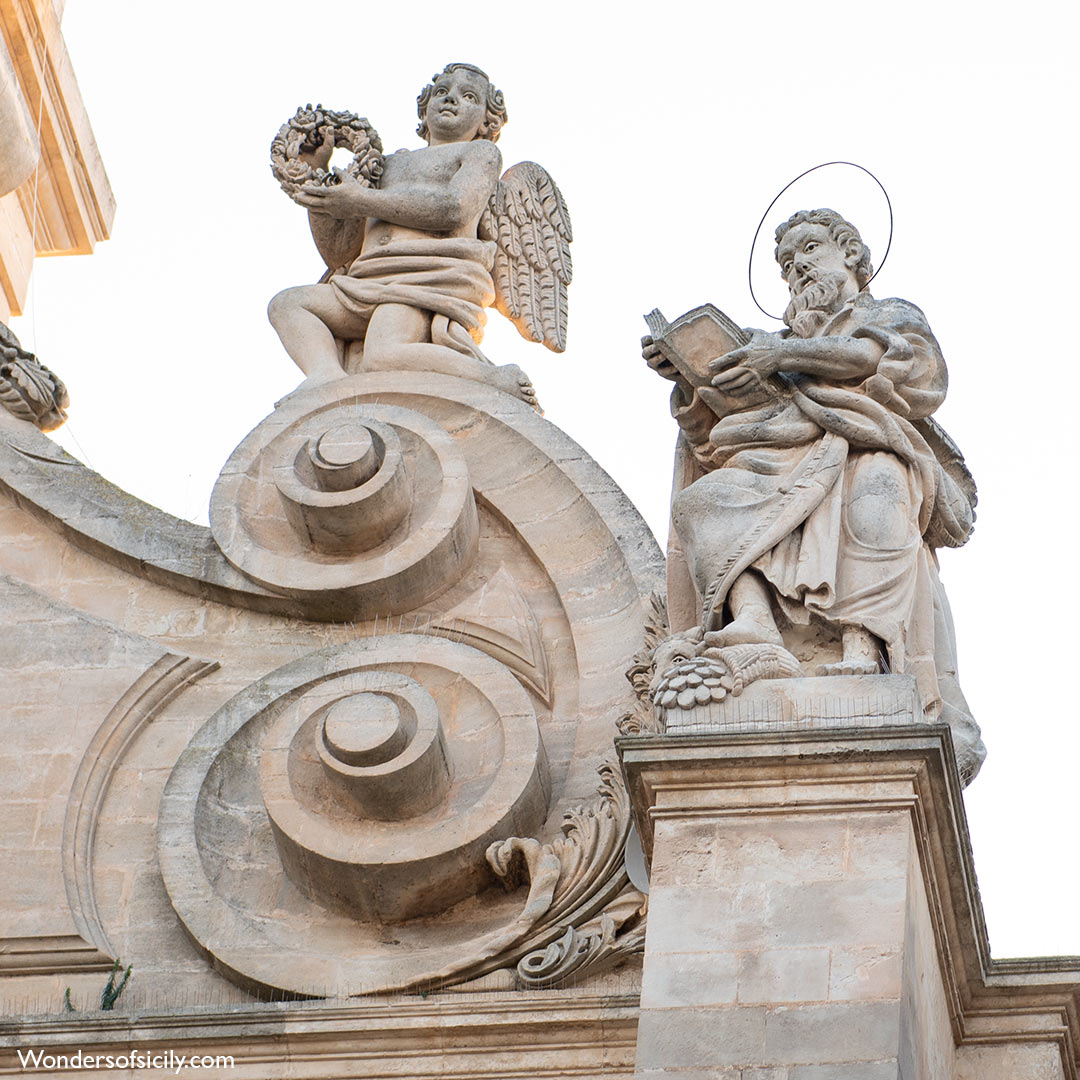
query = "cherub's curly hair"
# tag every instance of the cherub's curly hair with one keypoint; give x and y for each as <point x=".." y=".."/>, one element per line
<point x="496" y="107"/>
<point x="840" y="230"/>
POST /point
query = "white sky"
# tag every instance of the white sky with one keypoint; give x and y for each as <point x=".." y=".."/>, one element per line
<point x="669" y="128"/>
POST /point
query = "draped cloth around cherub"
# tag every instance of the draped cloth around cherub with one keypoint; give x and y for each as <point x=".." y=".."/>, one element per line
<point x="447" y="276"/>
<point x="781" y="476"/>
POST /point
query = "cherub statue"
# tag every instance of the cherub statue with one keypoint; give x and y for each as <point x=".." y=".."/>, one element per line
<point x="813" y="486"/>
<point x="415" y="258"/>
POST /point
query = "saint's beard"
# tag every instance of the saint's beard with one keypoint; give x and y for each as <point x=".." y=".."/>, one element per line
<point x="808" y="312"/>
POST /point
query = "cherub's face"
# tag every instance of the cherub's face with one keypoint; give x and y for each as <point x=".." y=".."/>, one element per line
<point x="458" y="107"/>
<point x="806" y="252"/>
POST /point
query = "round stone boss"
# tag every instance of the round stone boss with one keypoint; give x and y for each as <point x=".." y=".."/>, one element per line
<point x="364" y="729"/>
<point x="352" y="507"/>
<point x="346" y="456"/>
<point x="253" y="779"/>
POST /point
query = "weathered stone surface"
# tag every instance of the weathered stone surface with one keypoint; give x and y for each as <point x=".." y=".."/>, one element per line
<point x="533" y="635"/>
<point x="1008" y="1061"/>
<point x="813" y="913"/>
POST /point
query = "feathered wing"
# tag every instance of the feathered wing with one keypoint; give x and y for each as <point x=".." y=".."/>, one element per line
<point x="528" y="220"/>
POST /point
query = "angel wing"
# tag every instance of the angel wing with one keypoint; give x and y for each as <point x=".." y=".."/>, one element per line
<point x="528" y="220"/>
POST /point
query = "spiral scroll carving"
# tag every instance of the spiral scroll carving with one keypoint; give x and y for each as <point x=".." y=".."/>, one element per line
<point x="353" y="509"/>
<point x="370" y="777"/>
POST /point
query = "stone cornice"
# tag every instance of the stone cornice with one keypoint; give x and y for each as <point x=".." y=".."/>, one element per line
<point x="50" y="954"/>
<point x="75" y="203"/>
<point x="465" y="1035"/>
<point x="882" y="769"/>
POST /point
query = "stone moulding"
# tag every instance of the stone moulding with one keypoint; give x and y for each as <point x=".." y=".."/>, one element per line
<point x="910" y="768"/>
<point x="474" y="1035"/>
<point x="50" y="954"/>
<point x="145" y="698"/>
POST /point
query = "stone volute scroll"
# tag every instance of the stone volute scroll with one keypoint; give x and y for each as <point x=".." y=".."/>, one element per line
<point x="444" y="752"/>
<point x="352" y="507"/>
<point x="812" y="487"/>
<point x="430" y="798"/>
<point x="411" y="613"/>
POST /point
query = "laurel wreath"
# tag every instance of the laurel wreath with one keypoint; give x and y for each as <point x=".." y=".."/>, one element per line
<point x="305" y="132"/>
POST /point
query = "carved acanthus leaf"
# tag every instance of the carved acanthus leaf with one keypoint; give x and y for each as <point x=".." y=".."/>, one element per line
<point x="657" y="629"/>
<point x="575" y="876"/>
<point x="642" y="719"/>
<point x="600" y="944"/>
<point x="28" y="389"/>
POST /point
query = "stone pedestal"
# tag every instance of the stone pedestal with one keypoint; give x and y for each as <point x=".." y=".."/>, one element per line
<point x="812" y="910"/>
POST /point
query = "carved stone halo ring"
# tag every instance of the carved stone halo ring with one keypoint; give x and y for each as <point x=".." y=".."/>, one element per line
<point x="780" y="193"/>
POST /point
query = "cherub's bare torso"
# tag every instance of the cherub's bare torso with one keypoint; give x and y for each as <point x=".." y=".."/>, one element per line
<point x="467" y="170"/>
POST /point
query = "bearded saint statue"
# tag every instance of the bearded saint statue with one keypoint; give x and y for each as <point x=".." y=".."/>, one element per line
<point x="812" y="486"/>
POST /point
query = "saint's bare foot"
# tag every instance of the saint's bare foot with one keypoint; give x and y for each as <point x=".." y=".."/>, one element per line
<point x="743" y="631"/>
<point x="860" y="666"/>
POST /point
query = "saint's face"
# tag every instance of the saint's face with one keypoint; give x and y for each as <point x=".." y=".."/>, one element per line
<point x="808" y="248"/>
<point x="458" y="107"/>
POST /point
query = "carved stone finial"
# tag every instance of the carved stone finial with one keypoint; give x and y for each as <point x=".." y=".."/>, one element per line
<point x="28" y="389"/>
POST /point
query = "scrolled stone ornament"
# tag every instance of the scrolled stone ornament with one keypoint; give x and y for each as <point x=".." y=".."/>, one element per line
<point x="365" y="783"/>
<point x="295" y="147"/>
<point x="351" y="508"/>
<point x="28" y="389"/>
<point x="600" y="944"/>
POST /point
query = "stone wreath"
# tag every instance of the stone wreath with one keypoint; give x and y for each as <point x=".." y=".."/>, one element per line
<point x="303" y="134"/>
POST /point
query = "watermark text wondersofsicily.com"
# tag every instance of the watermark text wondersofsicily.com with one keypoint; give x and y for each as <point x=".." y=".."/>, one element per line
<point x="166" y="1060"/>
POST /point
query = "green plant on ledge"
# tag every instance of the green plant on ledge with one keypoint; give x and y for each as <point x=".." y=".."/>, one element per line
<point x="111" y="992"/>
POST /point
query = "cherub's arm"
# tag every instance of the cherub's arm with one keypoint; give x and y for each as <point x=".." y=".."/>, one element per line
<point x="421" y="205"/>
<point x="338" y="241"/>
